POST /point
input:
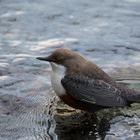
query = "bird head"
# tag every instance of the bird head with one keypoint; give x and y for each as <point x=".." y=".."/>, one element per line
<point x="67" y="58"/>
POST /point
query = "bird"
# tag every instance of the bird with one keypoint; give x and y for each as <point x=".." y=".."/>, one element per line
<point x="83" y="85"/>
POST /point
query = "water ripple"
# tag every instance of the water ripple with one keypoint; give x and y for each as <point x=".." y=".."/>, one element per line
<point x="28" y="120"/>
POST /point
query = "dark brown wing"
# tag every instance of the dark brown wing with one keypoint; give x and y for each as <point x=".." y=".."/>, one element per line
<point x="93" y="91"/>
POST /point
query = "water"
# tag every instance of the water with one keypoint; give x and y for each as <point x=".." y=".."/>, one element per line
<point x="105" y="31"/>
<point x="29" y="117"/>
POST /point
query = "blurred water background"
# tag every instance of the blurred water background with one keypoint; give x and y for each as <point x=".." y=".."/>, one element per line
<point x="105" y="31"/>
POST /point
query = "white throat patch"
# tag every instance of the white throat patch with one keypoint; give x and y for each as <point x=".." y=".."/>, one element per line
<point x="57" y="74"/>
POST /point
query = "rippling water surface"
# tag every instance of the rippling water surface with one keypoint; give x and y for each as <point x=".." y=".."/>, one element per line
<point x="29" y="117"/>
<point x="105" y="31"/>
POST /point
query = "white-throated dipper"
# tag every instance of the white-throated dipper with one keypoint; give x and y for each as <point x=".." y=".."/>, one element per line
<point x="83" y="85"/>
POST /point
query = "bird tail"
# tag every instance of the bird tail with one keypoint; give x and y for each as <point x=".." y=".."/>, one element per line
<point x="133" y="96"/>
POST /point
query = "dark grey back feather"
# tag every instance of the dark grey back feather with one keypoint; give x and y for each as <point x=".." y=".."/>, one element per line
<point x="93" y="91"/>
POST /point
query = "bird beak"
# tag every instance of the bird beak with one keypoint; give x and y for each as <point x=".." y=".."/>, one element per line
<point x="44" y="59"/>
